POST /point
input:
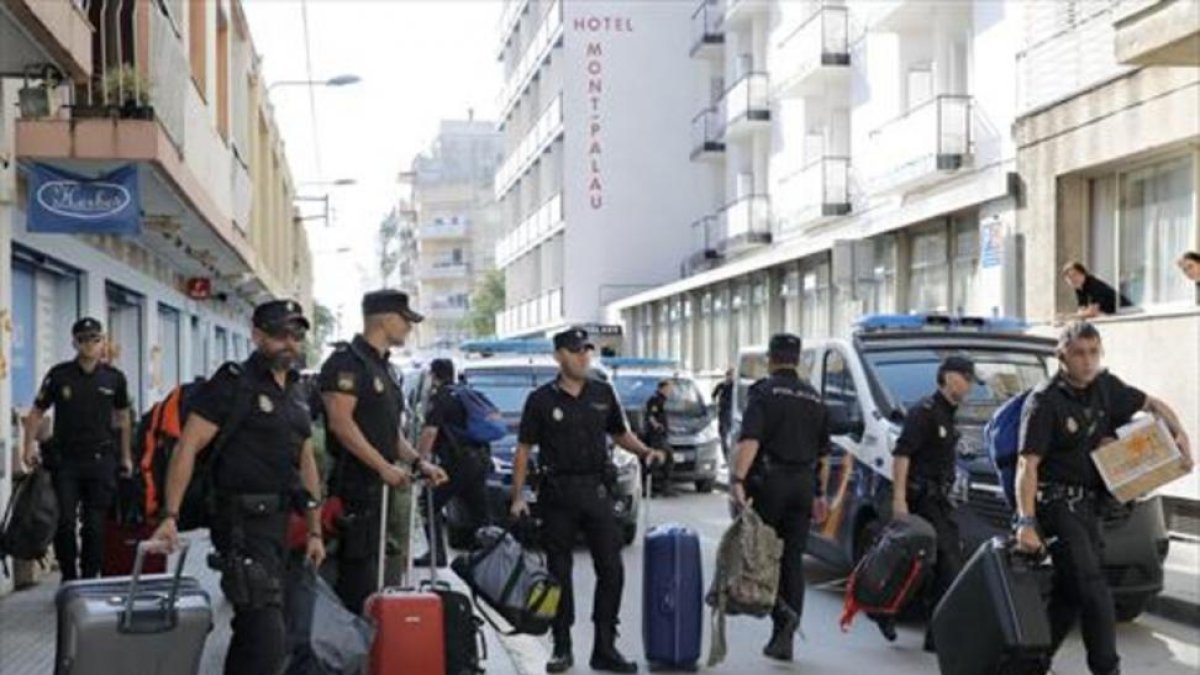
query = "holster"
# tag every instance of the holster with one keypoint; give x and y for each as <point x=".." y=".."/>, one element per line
<point x="247" y="525"/>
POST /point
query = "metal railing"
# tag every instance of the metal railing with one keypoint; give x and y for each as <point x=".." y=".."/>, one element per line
<point x="940" y="128"/>
<point x="706" y="129"/>
<point x="746" y="219"/>
<point x="549" y="28"/>
<point x="750" y="96"/>
<point x="544" y="130"/>
<point x="819" y="188"/>
<point x="531" y="231"/>
<point x="823" y="39"/>
<point x="708" y="22"/>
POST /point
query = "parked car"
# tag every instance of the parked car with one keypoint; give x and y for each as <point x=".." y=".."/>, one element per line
<point x="694" y="438"/>
<point x="870" y="379"/>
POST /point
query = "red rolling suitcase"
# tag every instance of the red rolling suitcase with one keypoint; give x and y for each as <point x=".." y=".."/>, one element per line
<point x="409" y="623"/>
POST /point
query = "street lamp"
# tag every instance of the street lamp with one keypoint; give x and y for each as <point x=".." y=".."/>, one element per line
<point x="339" y="81"/>
<point x="341" y="182"/>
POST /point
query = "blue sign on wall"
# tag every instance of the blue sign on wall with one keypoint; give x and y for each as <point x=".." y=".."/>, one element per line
<point x="67" y="203"/>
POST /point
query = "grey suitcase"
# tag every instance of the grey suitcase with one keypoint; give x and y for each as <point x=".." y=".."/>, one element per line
<point x="151" y="625"/>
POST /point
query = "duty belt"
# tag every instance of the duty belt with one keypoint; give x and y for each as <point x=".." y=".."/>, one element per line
<point x="941" y="486"/>
<point x="1061" y="492"/>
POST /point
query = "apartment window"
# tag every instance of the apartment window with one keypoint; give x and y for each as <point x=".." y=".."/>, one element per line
<point x="198" y="45"/>
<point x="929" y="274"/>
<point x="1141" y="221"/>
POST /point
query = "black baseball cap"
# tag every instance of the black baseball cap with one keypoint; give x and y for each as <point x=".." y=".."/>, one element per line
<point x="389" y="301"/>
<point x="275" y="314"/>
<point x="573" y="339"/>
<point x="961" y="365"/>
<point x="784" y="348"/>
<point x="87" y="326"/>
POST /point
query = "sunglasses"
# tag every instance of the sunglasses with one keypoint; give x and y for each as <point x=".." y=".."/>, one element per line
<point x="297" y="333"/>
<point x="579" y="349"/>
<point x="89" y="339"/>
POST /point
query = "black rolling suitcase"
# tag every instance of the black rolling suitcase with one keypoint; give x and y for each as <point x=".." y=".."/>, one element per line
<point x="992" y="620"/>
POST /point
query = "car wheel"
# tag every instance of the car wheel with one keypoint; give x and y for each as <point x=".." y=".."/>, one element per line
<point x="629" y="533"/>
<point x="1130" y="608"/>
<point x="705" y="486"/>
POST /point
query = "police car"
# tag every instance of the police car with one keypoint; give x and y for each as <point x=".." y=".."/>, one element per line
<point x="869" y="380"/>
<point x="507" y="371"/>
<point x="694" y="437"/>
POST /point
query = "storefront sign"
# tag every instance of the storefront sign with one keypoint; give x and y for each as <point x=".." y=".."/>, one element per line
<point x="199" y="288"/>
<point x="991" y="243"/>
<point x="66" y="203"/>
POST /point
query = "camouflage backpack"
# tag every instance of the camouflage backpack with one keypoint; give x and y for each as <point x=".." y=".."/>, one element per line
<point x="747" y="576"/>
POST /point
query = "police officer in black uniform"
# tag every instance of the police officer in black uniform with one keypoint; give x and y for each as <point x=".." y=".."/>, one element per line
<point x="923" y="471"/>
<point x="785" y="433"/>
<point x="266" y="468"/>
<point x="363" y="407"/>
<point x="722" y="394"/>
<point x="656" y="434"/>
<point x="1060" y="494"/>
<point x="467" y="464"/>
<point x="87" y="395"/>
<point x="568" y="419"/>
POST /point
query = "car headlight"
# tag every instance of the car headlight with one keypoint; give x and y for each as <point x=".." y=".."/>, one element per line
<point x="500" y="465"/>
<point x="625" y="460"/>
<point x="710" y="434"/>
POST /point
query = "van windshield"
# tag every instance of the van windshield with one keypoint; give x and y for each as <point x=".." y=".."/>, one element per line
<point x="908" y="375"/>
<point x="635" y="390"/>
<point x="508" y="388"/>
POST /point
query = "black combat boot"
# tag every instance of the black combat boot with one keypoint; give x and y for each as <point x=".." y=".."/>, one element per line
<point x="605" y="656"/>
<point x="562" y="660"/>
<point x="786" y="621"/>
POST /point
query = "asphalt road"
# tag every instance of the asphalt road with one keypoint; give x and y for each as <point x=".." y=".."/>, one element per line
<point x="1149" y="645"/>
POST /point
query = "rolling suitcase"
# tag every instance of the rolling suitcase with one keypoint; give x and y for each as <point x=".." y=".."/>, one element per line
<point x="409" y="624"/>
<point x="672" y="592"/>
<point x="154" y="625"/>
<point x="992" y="620"/>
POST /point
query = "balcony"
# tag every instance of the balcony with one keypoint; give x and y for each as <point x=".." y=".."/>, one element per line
<point x="543" y="224"/>
<point x="443" y="270"/>
<point x="708" y="30"/>
<point x="547" y="129"/>
<point x="705" y="242"/>
<point x="548" y="35"/>
<point x="815" y="58"/>
<point x="707" y="142"/>
<point x="443" y="231"/>
<point x="510" y="16"/>
<point x="445" y="310"/>
<point x="922" y="146"/>
<point x="536" y="314"/>
<point x="35" y="32"/>
<point x="743" y="224"/>
<point x="738" y="12"/>
<point x="814" y="194"/>
<point x="902" y="16"/>
<point x="1157" y="32"/>
<point x="746" y="106"/>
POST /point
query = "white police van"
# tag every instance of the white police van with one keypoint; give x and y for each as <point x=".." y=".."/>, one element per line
<point x="872" y="378"/>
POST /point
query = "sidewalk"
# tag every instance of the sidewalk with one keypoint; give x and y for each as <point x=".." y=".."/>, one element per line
<point x="28" y="626"/>
<point x="1180" y="598"/>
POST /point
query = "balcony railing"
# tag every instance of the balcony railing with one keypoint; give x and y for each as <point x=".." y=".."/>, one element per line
<point x="547" y="128"/>
<point x="822" y="40"/>
<point x="748" y="100"/>
<point x="509" y="16"/>
<point x="745" y="221"/>
<point x="548" y="33"/>
<point x="450" y="230"/>
<point x="536" y="312"/>
<point x="708" y="25"/>
<point x="706" y="132"/>
<point x="932" y="137"/>
<point x="740" y="10"/>
<point x="444" y="269"/>
<point x="819" y="190"/>
<point x="706" y="240"/>
<point x="543" y="223"/>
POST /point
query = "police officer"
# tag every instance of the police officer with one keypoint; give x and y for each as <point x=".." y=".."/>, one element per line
<point x="722" y="394"/>
<point x="656" y="433"/>
<point x="567" y="419"/>
<point x="1060" y="493"/>
<point x="467" y="464"/>
<point x="87" y="395"/>
<point x="923" y="472"/>
<point x="363" y="407"/>
<point x="266" y="461"/>
<point x="784" y="435"/>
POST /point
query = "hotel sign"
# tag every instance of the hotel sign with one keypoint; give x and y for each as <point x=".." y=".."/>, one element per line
<point x="66" y="203"/>
<point x="600" y="27"/>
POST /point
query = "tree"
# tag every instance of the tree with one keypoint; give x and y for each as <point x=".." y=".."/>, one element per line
<point x="322" y="329"/>
<point x="487" y="300"/>
<point x="389" y="245"/>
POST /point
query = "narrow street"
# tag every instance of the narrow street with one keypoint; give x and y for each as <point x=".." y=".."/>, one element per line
<point x="1149" y="645"/>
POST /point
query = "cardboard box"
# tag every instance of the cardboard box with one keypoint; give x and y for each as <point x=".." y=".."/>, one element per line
<point x="1143" y="458"/>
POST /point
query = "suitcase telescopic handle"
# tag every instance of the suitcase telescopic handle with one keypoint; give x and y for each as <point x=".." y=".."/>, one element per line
<point x="167" y="607"/>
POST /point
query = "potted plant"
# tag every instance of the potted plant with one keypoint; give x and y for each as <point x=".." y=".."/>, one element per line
<point x="125" y="92"/>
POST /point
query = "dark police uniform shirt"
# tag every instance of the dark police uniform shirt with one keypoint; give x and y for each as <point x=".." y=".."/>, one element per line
<point x="446" y="414"/>
<point x="656" y="410"/>
<point x="83" y="403"/>
<point x="788" y="419"/>
<point x="722" y="394"/>
<point x="368" y="376"/>
<point x="262" y="454"/>
<point x="569" y="431"/>
<point x="1096" y="292"/>
<point x="1063" y="425"/>
<point x="929" y="439"/>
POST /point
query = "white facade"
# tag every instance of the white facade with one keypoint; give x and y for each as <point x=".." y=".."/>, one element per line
<point x="596" y="190"/>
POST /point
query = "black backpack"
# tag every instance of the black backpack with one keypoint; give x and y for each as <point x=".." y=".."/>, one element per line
<point x="31" y="518"/>
<point x="891" y="572"/>
<point x="466" y="648"/>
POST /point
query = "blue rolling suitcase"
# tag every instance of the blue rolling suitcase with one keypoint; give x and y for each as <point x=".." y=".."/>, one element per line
<point x="672" y="597"/>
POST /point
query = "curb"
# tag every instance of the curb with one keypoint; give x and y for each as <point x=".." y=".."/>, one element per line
<point x="1175" y="609"/>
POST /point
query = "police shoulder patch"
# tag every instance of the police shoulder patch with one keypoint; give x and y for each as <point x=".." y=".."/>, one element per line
<point x="345" y="380"/>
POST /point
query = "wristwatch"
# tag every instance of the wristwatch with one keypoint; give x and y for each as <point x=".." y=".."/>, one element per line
<point x="1025" y="521"/>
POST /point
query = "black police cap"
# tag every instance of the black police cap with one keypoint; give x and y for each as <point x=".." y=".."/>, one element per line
<point x="573" y="339"/>
<point x="276" y="313"/>
<point x="961" y="365"/>
<point x="784" y="347"/>
<point x="87" y="326"/>
<point x="388" y="301"/>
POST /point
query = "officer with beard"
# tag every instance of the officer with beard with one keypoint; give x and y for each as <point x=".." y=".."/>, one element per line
<point x="266" y="455"/>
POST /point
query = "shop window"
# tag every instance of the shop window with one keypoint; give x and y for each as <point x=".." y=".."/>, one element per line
<point x="965" y="266"/>
<point x="929" y="275"/>
<point x="816" y="300"/>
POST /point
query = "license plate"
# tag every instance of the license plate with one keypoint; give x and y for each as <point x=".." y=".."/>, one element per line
<point x="685" y="456"/>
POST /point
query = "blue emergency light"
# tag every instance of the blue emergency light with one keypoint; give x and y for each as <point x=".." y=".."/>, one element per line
<point x="514" y="346"/>
<point x="638" y="362"/>
<point x="891" y="322"/>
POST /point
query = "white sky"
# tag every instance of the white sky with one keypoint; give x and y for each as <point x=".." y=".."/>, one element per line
<point x="420" y="61"/>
